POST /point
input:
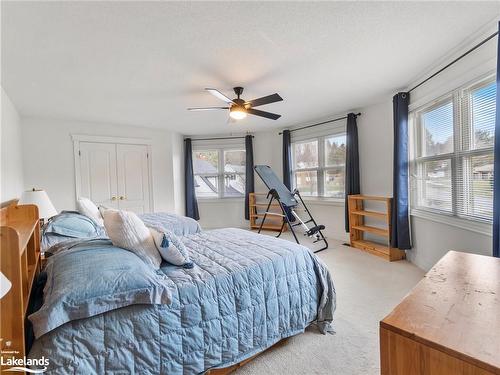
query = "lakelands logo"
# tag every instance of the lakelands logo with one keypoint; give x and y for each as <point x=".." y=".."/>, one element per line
<point x="31" y="365"/>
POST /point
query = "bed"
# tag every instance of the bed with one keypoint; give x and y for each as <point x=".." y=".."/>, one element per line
<point x="246" y="293"/>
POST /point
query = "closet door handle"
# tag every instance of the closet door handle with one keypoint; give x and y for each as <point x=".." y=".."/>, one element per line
<point x="113" y="198"/>
<point x="122" y="197"/>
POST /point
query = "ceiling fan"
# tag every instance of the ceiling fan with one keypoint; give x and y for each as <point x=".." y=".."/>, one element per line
<point x="239" y="108"/>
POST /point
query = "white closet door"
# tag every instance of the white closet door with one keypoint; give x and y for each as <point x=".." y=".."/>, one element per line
<point x="98" y="180"/>
<point x="133" y="178"/>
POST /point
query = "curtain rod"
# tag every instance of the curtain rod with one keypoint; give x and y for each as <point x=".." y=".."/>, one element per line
<point x="320" y="123"/>
<point x="215" y="138"/>
<point x="454" y="61"/>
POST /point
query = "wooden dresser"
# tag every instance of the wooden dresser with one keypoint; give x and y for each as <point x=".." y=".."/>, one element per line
<point x="449" y="323"/>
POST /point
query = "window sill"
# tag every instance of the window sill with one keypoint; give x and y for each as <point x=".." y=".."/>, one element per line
<point x="471" y="225"/>
<point x="324" y="201"/>
<point x="308" y="200"/>
<point x="221" y="200"/>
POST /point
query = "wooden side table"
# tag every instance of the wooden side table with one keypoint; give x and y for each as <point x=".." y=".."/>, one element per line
<point x="449" y="323"/>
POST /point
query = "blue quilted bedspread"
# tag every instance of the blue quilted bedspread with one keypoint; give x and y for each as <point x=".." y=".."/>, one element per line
<point x="246" y="292"/>
<point x="179" y="225"/>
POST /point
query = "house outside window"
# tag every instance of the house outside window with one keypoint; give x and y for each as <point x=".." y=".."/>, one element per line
<point x="219" y="173"/>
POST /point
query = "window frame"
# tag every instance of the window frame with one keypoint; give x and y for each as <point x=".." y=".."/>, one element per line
<point x="221" y="174"/>
<point x="321" y="169"/>
<point x="460" y="158"/>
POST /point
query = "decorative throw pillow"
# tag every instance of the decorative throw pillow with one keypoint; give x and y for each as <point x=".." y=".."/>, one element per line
<point x="88" y="208"/>
<point x="171" y="248"/>
<point x="126" y="230"/>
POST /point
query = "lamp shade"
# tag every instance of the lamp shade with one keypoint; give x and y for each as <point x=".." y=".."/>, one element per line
<point x="39" y="198"/>
<point x="5" y="285"/>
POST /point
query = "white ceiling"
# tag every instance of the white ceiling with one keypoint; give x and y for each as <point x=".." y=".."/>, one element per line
<point x="144" y="63"/>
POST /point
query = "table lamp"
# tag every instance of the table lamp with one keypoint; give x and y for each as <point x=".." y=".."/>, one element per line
<point x="5" y="285"/>
<point x="39" y="198"/>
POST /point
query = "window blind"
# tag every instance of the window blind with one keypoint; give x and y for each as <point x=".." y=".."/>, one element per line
<point x="475" y="161"/>
<point x="435" y="153"/>
<point x="452" y="168"/>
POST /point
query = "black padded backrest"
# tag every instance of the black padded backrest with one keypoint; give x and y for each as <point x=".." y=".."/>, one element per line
<point x="273" y="182"/>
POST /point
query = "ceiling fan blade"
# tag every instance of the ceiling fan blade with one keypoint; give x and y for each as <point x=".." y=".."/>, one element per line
<point x="206" y="108"/>
<point x="256" y="112"/>
<point x="220" y="95"/>
<point x="265" y="100"/>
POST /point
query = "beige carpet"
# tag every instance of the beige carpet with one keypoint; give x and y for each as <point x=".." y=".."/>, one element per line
<point x="367" y="289"/>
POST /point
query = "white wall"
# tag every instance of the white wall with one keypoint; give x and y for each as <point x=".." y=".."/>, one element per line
<point x="12" y="184"/>
<point x="375" y="141"/>
<point x="222" y="213"/>
<point x="178" y="172"/>
<point x="432" y="240"/>
<point x="49" y="162"/>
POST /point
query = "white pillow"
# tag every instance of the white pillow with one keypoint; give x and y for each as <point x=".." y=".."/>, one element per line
<point x="86" y="207"/>
<point x="171" y="248"/>
<point x="127" y="230"/>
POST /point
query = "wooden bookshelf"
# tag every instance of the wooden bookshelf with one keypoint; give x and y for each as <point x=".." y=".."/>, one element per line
<point x="20" y="263"/>
<point x="258" y="204"/>
<point x="379" y="225"/>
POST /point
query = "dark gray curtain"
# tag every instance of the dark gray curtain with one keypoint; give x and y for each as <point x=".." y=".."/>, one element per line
<point x="351" y="163"/>
<point x="189" y="192"/>
<point x="287" y="167"/>
<point x="249" y="177"/>
<point x="287" y="159"/>
<point x="496" y="163"/>
<point x="400" y="234"/>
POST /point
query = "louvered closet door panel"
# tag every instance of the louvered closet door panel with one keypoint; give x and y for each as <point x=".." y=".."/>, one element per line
<point x="133" y="178"/>
<point x="98" y="173"/>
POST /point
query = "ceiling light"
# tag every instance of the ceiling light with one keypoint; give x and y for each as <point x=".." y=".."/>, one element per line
<point x="237" y="112"/>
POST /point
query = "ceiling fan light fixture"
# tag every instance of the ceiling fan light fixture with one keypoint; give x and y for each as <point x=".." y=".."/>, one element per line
<point x="239" y="108"/>
<point x="237" y="112"/>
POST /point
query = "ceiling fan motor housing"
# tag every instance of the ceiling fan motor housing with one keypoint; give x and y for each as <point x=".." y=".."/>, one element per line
<point x="239" y="102"/>
<point x="238" y="91"/>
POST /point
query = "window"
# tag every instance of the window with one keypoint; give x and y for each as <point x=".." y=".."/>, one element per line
<point x="452" y="168"/>
<point x="319" y="166"/>
<point x="219" y="173"/>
